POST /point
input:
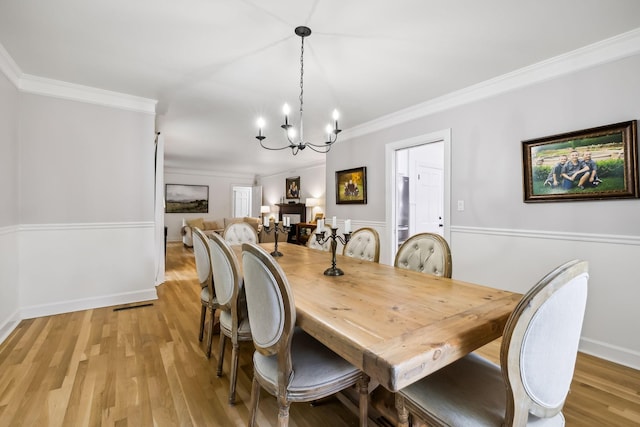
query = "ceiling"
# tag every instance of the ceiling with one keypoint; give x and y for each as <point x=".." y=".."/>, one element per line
<point x="216" y="65"/>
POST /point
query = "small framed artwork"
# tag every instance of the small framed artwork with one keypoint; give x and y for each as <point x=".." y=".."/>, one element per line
<point x="591" y="164"/>
<point x="351" y="186"/>
<point x="292" y="189"/>
<point x="186" y="198"/>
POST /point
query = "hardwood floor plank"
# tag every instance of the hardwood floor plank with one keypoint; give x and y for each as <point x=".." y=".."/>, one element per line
<point x="145" y="367"/>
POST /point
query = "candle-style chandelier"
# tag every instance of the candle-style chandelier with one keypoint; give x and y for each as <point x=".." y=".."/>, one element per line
<point x="296" y="137"/>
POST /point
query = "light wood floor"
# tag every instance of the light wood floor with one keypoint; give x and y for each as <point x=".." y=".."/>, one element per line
<point x="145" y="367"/>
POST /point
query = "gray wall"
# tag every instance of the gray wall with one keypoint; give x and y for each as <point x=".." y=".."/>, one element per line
<point x="9" y="277"/>
<point x="500" y="240"/>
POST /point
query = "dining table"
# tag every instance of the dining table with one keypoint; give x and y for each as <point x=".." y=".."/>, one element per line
<point x="395" y="325"/>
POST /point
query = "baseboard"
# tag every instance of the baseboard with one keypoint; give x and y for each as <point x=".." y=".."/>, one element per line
<point x="620" y="355"/>
<point x="87" y="303"/>
<point x="8" y="326"/>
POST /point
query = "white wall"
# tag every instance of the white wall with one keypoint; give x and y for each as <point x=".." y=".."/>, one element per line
<point x="9" y="277"/>
<point x="312" y="185"/>
<point x="220" y="194"/>
<point x="500" y="240"/>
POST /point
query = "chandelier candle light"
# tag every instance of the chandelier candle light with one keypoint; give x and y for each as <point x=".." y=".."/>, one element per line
<point x="297" y="144"/>
<point x="333" y="270"/>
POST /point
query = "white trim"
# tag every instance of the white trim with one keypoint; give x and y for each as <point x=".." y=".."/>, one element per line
<point x="551" y="235"/>
<point x="9" y="325"/>
<point x="9" y="67"/>
<point x="86" y="226"/>
<point x="310" y="165"/>
<point x="71" y="91"/>
<point x="613" y="353"/>
<point x="8" y="229"/>
<point x="208" y="172"/>
<point x="604" y="51"/>
<point x="31" y="312"/>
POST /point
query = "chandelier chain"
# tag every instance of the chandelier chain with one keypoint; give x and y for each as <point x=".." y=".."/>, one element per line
<point x="301" y="89"/>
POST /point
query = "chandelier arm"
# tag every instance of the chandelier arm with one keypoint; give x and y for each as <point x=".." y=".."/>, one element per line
<point x="274" y="148"/>
<point x="322" y="148"/>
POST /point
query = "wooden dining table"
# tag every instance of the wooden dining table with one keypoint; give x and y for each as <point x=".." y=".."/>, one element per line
<point x="396" y="325"/>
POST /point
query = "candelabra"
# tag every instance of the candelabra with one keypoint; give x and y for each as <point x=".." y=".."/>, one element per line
<point x="333" y="270"/>
<point x="282" y="228"/>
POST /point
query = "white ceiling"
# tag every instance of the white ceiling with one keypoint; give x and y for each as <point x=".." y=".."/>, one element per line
<point x="216" y="65"/>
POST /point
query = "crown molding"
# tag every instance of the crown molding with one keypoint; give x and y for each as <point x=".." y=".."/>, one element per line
<point x="605" y="51"/>
<point x="9" y="67"/>
<point x="71" y="91"/>
<point x="306" y="166"/>
<point x="207" y="172"/>
<point x="58" y="89"/>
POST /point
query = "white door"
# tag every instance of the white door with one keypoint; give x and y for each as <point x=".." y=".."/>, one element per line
<point x="241" y="202"/>
<point x="429" y="197"/>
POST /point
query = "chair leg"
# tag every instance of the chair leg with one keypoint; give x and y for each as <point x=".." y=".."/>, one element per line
<point x="255" y="399"/>
<point x="203" y="314"/>
<point x="283" y="413"/>
<point x="363" y="388"/>
<point x="211" y="326"/>
<point x="234" y="374"/>
<point x="223" y="339"/>
<point x="403" y="413"/>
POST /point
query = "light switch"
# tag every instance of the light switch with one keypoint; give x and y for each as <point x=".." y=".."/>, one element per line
<point x="460" y="205"/>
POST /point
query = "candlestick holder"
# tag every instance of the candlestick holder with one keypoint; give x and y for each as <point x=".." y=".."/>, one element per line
<point x="333" y="270"/>
<point x="282" y="228"/>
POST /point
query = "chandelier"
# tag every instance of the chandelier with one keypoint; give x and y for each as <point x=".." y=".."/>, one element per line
<point x="295" y="137"/>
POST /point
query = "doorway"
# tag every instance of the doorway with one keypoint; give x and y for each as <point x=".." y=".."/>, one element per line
<point x="418" y="187"/>
<point x="242" y="199"/>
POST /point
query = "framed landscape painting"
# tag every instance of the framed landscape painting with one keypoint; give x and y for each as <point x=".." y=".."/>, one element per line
<point x="181" y="198"/>
<point x="591" y="164"/>
<point x="351" y="186"/>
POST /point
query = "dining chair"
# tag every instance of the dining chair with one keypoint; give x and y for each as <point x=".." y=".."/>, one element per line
<point x="289" y="363"/>
<point x="537" y="360"/>
<point x="234" y="323"/>
<point x="238" y="233"/>
<point x="363" y="244"/>
<point x="207" y="292"/>
<point x="427" y="253"/>
<point x="313" y="242"/>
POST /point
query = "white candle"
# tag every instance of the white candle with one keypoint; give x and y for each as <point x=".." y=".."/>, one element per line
<point x="288" y="221"/>
<point x="320" y="225"/>
<point x="266" y="221"/>
<point x="347" y="226"/>
<point x="334" y="222"/>
<point x="276" y="220"/>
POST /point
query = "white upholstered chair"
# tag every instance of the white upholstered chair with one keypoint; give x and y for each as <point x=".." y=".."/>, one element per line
<point x="288" y="363"/>
<point x="425" y="252"/>
<point x="238" y="233"/>
<point x="537" y="358"/>
<point x="313" y="242"/>
<point x="234" y="323"/>
<point x="205" y="276"/>
<point x="364" y="244"/>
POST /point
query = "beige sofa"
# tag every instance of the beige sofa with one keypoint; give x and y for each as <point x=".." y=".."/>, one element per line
<point x="217" y="225"/>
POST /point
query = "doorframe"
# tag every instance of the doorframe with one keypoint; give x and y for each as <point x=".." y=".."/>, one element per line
<point x="443" y="136"/>
<point x="233" y="197"/>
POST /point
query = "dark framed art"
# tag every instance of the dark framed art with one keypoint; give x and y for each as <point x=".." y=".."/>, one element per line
<point x="180" y="198"/>
<point x="351" y="186"/>
<point x="591" y="164"/>
<point x="292" y="187"/>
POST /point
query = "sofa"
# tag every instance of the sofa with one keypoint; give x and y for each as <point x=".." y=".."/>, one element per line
<point x="217" y="225"/>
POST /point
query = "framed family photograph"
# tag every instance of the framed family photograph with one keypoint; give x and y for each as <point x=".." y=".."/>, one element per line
<point x="351" y="186"/>
<point x="181" y="198"/>
<point x="591" y="164"/>
<point x="292" y="187"/>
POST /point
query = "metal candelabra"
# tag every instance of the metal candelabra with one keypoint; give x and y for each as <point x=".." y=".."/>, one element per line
<point x="333" y="270"/>
<point x="283" y="229"/>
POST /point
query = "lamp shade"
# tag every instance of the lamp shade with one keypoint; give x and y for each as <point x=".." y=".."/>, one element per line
<point x="310" y="202"/>
<point x="264" y="209"/>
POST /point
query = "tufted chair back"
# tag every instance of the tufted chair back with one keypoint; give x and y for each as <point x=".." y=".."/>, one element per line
<point x="427" y="253"/>
<point x="364" y="244"/>
<point x="238" y="233"/>
<point x="313" y="243"/>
